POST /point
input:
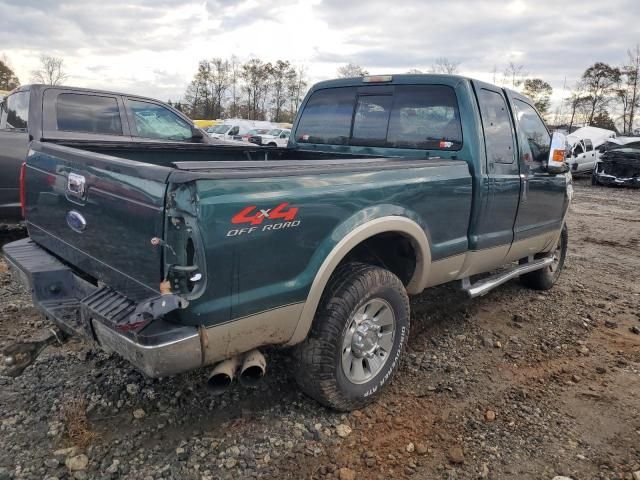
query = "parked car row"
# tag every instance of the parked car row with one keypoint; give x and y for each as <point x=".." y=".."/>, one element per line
<point x="252" y="131"/>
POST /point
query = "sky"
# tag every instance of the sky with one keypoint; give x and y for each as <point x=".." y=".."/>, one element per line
<point x="152" y="47"/>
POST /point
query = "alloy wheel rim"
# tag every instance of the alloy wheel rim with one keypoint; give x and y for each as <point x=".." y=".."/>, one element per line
<point x="368" y="341"/>
<point x="557" y="255"/>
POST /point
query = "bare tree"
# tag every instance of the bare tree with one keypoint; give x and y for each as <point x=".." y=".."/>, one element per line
<point x="51" y="71"/>
<point x="351" y="70"/>
<point x="628" y="91"/>
<point x="234" y="79"/>
<point x="296" y="89"/>
<point x="219" y="79"/>
<point x="444" y="65"/>
<point x="513" y="74"/>
<point x="578" y="104"/>
<point x="540" y="92"/>
<point x="599" y="82"/>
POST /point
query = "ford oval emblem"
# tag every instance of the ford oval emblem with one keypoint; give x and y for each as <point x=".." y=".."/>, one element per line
<point x="76" y="221"/>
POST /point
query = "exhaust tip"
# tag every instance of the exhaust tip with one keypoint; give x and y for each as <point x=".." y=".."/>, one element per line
<point x="222" y="375"/>
<point x="251" y="376"/>
<point x="218" y="383"/>
<point x="253" y="368"/>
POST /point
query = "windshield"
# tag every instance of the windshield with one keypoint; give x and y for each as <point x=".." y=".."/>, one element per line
<point x="257" y="131"/>
<point x="275" y="132"/>
<point x="219" y="129"/>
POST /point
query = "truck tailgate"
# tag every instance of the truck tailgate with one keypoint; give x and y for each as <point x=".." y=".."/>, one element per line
<point x="99" y="213"/>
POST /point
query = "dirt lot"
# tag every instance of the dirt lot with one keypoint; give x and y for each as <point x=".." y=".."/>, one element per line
<point x="515" y="385"/>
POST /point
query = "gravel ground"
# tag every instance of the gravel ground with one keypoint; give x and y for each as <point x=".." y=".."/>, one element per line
<point x="515" y="385"/>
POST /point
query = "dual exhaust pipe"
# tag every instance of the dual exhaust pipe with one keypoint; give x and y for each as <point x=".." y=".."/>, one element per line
<point x="252" y="366"/>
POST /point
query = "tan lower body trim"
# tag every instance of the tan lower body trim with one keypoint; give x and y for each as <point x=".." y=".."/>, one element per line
<point x="243" y="334"/>
<point x="480" y="261"/>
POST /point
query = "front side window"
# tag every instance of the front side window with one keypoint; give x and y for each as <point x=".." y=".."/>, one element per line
<point x="88" y="114"/>
<point x="535" y="138"/>
<point x="497" y="127"/>
<point x="578" y="150"/>
<point x="15" y="110"/>
<point x="155" y="121"/>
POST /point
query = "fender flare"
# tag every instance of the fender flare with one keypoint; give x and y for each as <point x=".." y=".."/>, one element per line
<point x="389" y="224"/>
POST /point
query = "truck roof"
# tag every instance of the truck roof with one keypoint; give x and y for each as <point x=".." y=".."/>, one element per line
<point x="40" y="87"/>
<point x="401" y="79"/>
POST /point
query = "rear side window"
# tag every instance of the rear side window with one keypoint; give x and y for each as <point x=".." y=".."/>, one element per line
<point x="327" y="117"/>
<point x="533" y="134"/>
<point x="414" y="116"/>
<point x="497" y="127"/>
<point x="425" y="117"/>
<point x="88" y="114"/>
<point x="156" y="121"/>
<point x="15" y="110"/>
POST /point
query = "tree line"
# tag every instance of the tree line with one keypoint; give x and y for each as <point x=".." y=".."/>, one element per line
<point x="255" y="90"/>
<point x="605" y="95"/>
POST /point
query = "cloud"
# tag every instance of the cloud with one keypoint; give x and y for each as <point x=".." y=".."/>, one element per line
<point x="152" y="47"/>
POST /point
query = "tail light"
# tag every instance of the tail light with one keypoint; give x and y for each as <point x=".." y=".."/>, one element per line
<point x="23" y="191"/>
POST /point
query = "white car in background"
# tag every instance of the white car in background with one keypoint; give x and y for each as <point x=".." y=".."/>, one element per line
<point x="585" y="143"/>
<point x="277" y="137"/>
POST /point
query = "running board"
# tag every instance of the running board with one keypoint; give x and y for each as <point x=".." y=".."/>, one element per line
<point x="481" y="287"/>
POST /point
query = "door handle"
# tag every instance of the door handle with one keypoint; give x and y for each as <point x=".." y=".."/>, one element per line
<point x="525" y="187"/>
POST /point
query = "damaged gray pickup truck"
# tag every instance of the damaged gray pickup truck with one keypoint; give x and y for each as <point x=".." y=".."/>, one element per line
<point x="619" y="165"/>
<point x="182" y="256"/>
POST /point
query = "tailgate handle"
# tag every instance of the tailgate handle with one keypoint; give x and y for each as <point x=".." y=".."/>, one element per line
<point x="76" y="184"/>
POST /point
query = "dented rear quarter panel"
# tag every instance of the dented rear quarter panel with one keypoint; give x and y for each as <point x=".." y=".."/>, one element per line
<point x="252" y="271"/>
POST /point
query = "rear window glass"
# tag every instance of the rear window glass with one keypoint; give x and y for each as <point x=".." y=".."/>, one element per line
<point x="414" y="116"/>
<point x="88" y="113"/>
<point x="371" y="120"/>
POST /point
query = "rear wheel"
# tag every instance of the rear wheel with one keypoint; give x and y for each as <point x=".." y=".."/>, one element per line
<point x="545" y="278"/>
<point x="358" y="333"/>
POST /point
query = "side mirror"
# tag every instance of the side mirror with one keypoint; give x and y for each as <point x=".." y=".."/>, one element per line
<point x="196" y="133"/>
<point x="557" y="154"/>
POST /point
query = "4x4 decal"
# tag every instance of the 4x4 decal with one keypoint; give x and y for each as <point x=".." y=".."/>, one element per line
<point x="257" y="218"/>
<point x="262" y="219"/>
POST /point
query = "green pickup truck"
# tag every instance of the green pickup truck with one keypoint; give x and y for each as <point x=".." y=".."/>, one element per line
<point x="181" y="256"/>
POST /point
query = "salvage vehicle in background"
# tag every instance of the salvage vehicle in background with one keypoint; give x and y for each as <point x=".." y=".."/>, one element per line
<point x="619" y="165"/>
<point x="584" y="149"/>
<point x="182" y="256"/>
<point x="82" y="115"/>
<point x="277" y="137"/>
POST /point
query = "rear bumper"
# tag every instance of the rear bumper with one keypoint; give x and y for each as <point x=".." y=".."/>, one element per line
<point x="97" y="313"/>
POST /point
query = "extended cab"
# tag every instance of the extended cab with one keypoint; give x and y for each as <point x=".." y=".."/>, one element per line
<point x="79" y="114"/>
<point x="179" y="257"/>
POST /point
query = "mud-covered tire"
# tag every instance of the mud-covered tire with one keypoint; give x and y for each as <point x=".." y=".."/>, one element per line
<point x="594" y="180"/>
<point x="319" y="359"/>
<point x="545" y="278"/>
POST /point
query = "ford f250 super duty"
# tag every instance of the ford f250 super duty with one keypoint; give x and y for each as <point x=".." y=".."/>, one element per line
<point x="182" y="256"/>
<point x="80" y="114"/>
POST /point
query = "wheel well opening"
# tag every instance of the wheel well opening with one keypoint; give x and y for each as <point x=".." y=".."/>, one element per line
<point x="391" y="250"/>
